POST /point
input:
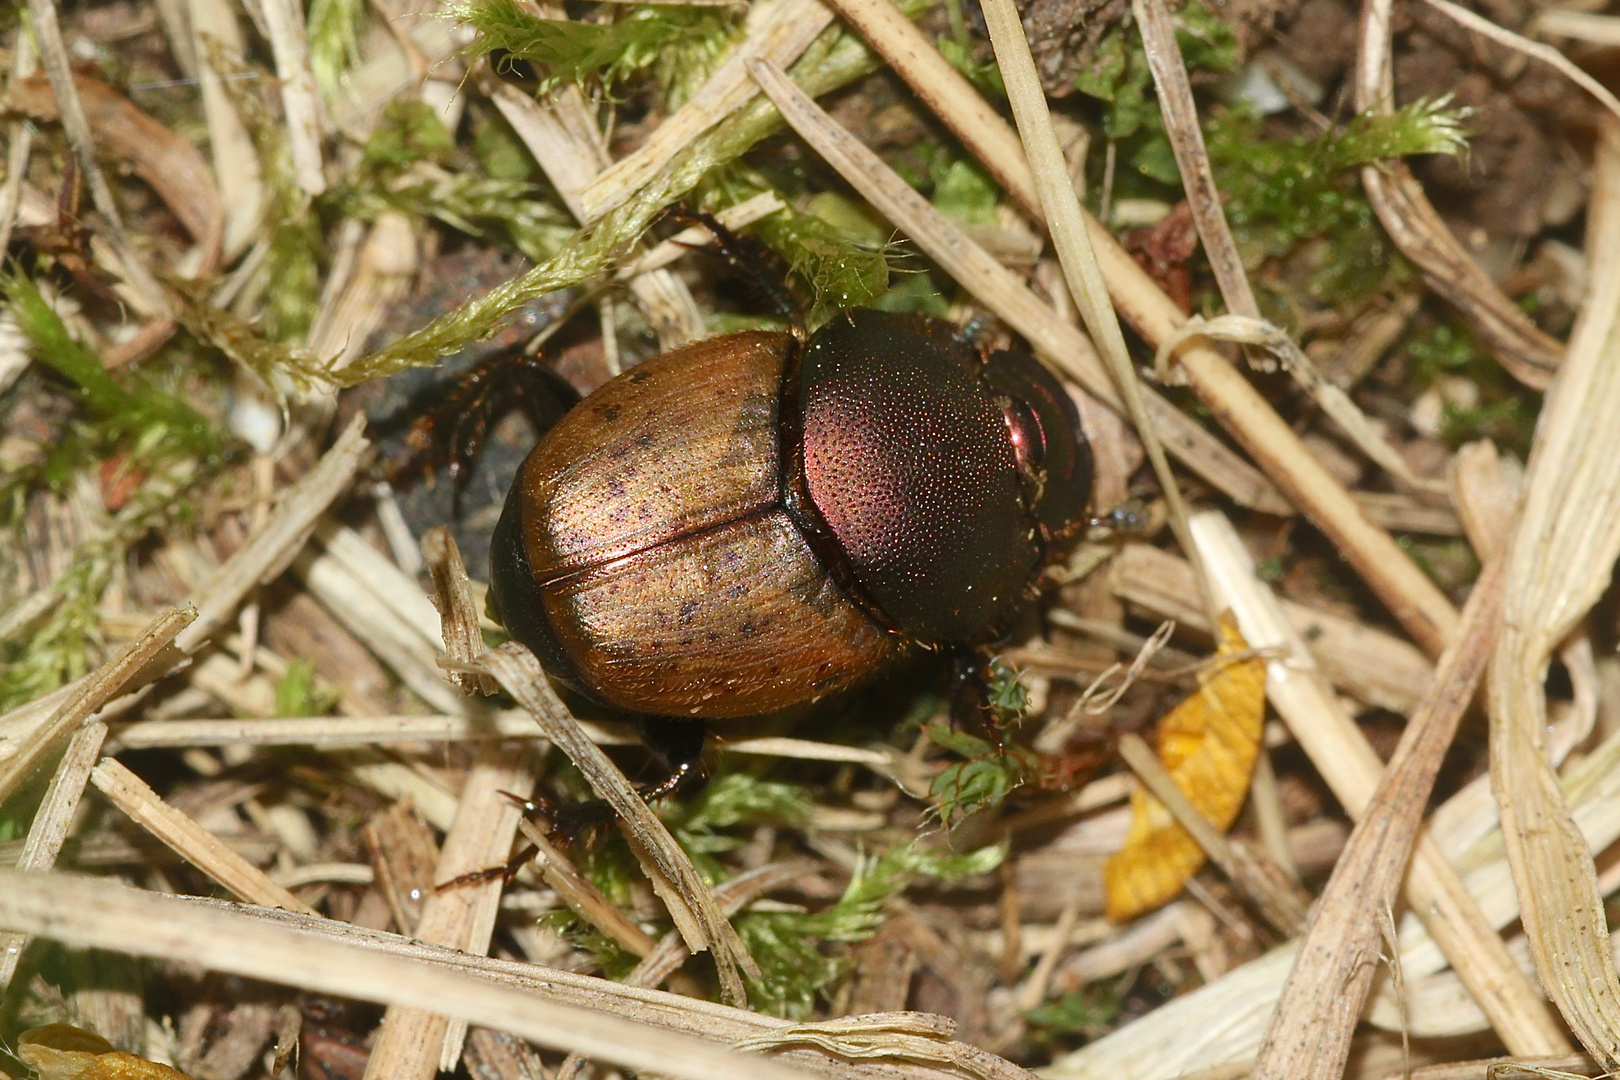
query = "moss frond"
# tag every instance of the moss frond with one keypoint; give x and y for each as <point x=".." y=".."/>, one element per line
<point x="787" y="945"/>
<point x="569" y="51"/>
<point x="138" y="413"/>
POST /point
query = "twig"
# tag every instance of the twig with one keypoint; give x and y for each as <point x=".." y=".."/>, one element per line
<point x="1526" y="352"/>
<point x="152" y="650"/>
<point x="190" y="840"/>
<point x="1309" y="1035"/>
<point x="1340" y="752"/>
<point x="1278" y="899"/>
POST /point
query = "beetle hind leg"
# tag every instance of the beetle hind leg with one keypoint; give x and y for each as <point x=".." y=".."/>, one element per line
<point x="676" y="742"/>
<point x="452" y="419"/>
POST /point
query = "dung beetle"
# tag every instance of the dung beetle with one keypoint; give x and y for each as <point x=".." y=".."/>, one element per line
<point x="755" y="521"/>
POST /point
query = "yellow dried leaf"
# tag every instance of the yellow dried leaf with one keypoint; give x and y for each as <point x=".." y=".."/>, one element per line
<point x="1208" y="745"/>
<point x="65" y="1052"/>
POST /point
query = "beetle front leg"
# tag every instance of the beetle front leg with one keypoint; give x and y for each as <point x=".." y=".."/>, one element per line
<point x="970" y="696"/>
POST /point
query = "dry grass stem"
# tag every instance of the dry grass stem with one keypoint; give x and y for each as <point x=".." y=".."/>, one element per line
<point x="217" y="38"/>
<point x="1192" y="159"/>
<point x="1341" y="753"/>
<point x="189" y="840"/>
<point x="415" y="1042"/>
<point x="463" y="640"/>
<point x="779" y="30"/>
<point x="1309" y="1035"/>
<point x="1280" y="900"/>
<point x="19" y="144"/>
<point x="1559" y="563"/>
<point x="690" y="902"/>
<point x="1527" y="353"/>
<point x="563" y="137"/>
<point x="583" y="898"/>
<point x="1072" y="242"/>
<point x="999" y="290"/>
<point x="300" y="99"/>
<point x="143" y="659"/>
<point x="98" y="914"/>
<point x="385" y="265"/>
<point x="51" y="825"/>
<point x="1579" y="25"/>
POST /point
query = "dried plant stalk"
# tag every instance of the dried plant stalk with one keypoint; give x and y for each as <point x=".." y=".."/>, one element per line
<point x="190" y="840"/>
<point x="94" y="913"/>
<point x="1309" y="1034"/>
<point x="1352" y="770"/>
<point x="1527" y="353"/>
<point x="1559" y="563"/>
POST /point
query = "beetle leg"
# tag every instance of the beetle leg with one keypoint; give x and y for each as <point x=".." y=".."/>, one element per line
<point x="747" y="259"/>
<point x="453" y="421"/>
<point x="678" y="744"/>
<point x="970" y="696"/>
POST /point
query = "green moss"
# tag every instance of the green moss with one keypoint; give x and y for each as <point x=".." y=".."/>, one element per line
<point x="298" y="695"/>
<point x="132" y="414"/>
<point x="1283" y="194"/>
<point x="1119" y="77"/>
<point x="569" y="51"/>
<point x="1089" y="1012"/>
<point x="788" y="945"/>
<point x="334" y="44"/>
<point x="67" y="642"/>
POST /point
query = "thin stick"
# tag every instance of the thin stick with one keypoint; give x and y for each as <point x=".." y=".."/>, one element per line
<point x="1309" y="1034"/>
<point x="189" y="840"/>
<point x="1282" y="902"/>
<point x="108" y="681"/>
<point x="100" y="914"/>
